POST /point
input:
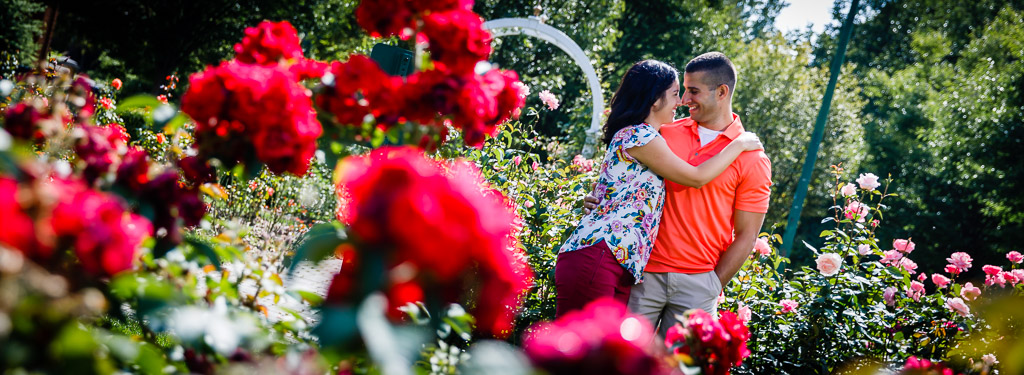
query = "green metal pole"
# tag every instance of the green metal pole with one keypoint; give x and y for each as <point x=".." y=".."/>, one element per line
<point x="819" y="132"/>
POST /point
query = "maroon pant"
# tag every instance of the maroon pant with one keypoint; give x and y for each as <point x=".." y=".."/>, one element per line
<point x="587" y="274"/>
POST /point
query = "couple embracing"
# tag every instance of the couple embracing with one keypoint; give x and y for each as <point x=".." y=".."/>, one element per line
<point x="664" y="247"/>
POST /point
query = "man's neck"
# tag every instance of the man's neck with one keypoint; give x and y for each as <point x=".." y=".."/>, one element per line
<point x="719" y="123"/>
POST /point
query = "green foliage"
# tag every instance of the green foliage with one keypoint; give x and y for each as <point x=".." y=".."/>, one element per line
<point x="778" y="97"/>
<point x="23" y="25"/>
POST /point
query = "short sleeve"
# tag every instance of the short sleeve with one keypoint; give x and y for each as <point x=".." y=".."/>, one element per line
<point x="634" y="136"/>
<point x="755" y="185"/>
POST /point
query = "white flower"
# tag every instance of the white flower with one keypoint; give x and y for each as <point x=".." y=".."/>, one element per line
<point x="990" y="359"/>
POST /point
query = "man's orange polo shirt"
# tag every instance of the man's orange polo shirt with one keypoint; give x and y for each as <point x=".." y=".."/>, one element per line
<point x="697" y="224"/>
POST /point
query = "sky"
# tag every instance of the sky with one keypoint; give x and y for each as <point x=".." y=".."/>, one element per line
<point x="799" y="13"/>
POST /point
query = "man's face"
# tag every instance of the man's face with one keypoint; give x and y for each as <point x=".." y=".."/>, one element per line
<point x="699" y="97"/>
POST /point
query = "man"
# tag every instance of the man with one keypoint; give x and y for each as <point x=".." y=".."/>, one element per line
<point x="705" y="234"/>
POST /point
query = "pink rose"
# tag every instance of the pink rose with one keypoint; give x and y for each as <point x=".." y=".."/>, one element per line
<point x="848" y="190"/>
<point x="1019" y="274"/>
<point x="535" y="165"/>
<point x="960" y="260"/>
<point x="744" y="313"/>
<point x="917" y="287"/>
<point x="1010" y="277"/>
<point x="829" y="263"/>
<point x="889" y="295"/>
<point x="922" y="277"/>
<point x="864" y="249"/>
<point x="890" y="257"/>
<point x="909" y="265"/>
<point x="958" y="305"/>
<point x="528" y="204"/>
<point x="990" y="359"/>
<point x="868" y="181"/>
<point x="998" y="278"/>
<point x="788" y="305"/>
<point x="517" y="160"/>
<point x="970" y="292"/>
<point x="991" y="270"/>
<point x="549" y="99"/>
<point x="939" y="280"/>
<point x="1015" y="257"/>
<point x="905" y="246"/>
<point x="952" y="270"/>
<point x="856" y="211"/>
<point x="761" y="246"/>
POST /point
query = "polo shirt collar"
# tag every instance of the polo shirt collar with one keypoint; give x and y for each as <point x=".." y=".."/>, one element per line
<point x="733" y="130"/>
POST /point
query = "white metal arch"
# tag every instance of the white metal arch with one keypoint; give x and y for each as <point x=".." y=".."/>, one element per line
<point x="535" y="28"/>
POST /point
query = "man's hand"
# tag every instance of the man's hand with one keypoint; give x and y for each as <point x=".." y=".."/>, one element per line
<point x="591" y="201"/>
<point x="747" y="226"/>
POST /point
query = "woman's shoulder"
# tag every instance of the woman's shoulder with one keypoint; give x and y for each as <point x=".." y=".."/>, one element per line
<point x="641" y="130"/>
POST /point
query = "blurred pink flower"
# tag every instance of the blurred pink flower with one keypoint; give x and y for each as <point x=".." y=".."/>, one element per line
<point x="909" y="265"/>
<point x="889" y="295"/>
<point x="744" y="313"/>
<point x="868" y="181"/>
<point x="1015" y="257"/>
<point x="603" y="337"/>
<point x="761" y="246"/>
<point x="922" y="277"/>
<point x="829" y="263"/>
<point x="528" y="204"/>
<point x="905" y="246"/>
<point x="788" y="305"/>
<point x="1019" y="274"/>
<point x="952" y="270"/>
<point x="864" y="249"/>
<point x="939" y="280"/>
<point x="998" y="278"/>
<point x="958" y="305"/>
<point x="848" y="190"/>
<point x="990" y="359"/>
<point x="549" y="99"/>
<point x="991" y="270"/>
<point x="1010" y="277"/>
<point x="517" y="160"/>
<point x="960" y="260"/>
<point x="582" y="163"/>
<point x="970" y="292"/>
<point x="535" y="165"/>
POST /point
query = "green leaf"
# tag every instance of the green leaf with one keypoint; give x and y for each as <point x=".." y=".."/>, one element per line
<point x="139" y="101"/>
<point x="318" y="243"/>
<point x="313" y="298"/>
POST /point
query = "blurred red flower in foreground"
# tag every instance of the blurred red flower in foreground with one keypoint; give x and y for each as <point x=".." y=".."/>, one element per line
<point x="434" y="225"/>
<point x="714" y="345"/>
<point x="603" y="338"/>
<point x="95" y="226"/>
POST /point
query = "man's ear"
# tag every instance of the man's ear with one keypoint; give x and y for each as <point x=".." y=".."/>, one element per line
<point x="722" y="92"/>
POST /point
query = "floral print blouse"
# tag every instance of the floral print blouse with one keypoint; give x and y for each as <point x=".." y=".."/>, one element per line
<point x="632" y="196"/>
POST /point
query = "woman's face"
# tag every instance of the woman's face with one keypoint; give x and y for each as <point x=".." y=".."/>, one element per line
<point x="664" y="110"/>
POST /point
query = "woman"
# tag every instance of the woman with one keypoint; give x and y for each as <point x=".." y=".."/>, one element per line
<point x="607" y="252"/>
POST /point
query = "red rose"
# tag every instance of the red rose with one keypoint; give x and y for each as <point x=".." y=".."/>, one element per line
<point x="268" y="43"/>
<point x="458" y="39"/>
<point x="385" y="18"/>
<point x="243" y="109"/>
<point x="103" y="236"/>
<point x="304" y="69"/>
<point x="18" y="230"/>
<point x="361" y="88"/>
<point x="21" y="121"/>
<point x="133" y="172"/>
<point x="116" y="84"/>
<point x="399" y="198"/>
<point x="440" y="5"/>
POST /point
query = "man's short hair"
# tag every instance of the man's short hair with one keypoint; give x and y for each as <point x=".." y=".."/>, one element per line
<point x="719" y="68"/>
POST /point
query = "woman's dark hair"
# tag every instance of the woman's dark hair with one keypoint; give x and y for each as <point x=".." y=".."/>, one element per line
<point x="643" y="84"/>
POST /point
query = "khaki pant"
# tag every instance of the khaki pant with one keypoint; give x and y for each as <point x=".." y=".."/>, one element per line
<point x="662" y="296"/>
